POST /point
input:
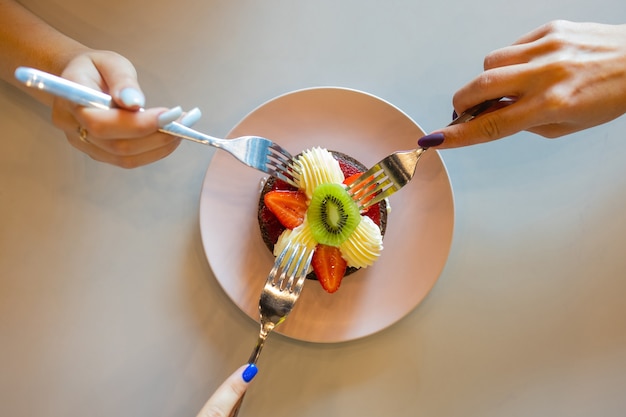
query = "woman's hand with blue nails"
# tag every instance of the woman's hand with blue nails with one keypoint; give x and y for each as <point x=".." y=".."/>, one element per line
<point x="227" y="396"/>
<point x="560" y="78"/>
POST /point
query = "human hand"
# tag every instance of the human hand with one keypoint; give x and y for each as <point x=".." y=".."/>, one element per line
<point x="222" y="403"/>
<point x="126" y="136"/>
<point x="560" y="78"/>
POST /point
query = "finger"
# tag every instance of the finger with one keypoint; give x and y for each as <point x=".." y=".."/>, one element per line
<point x="82" y="71"/>
<point x="541" y="31"/>
<point x="519" y="50"/>
<point x="143" y="149"/>
<point x="511" y="55"/>
<point x="487" y="127"/>
<point x="114" y="123"/>
<point x="120" y="76"/>
<point x="227" y="396"/>
<point x="116" y="132"/>
<point x="100" y="125"/>
<point x="118" y="123"/>
<point x="506" y="81"/>
<point x="534" y="44"/>
<point x="514" y="55"/>
<point x="120" y="159"/>
<point x="128" y="153"/>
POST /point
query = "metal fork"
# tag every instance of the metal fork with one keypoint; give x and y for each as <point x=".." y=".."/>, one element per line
<point x="257" y="152"/>
<point x="397" y="169"/>
<point x="281" y="291"/>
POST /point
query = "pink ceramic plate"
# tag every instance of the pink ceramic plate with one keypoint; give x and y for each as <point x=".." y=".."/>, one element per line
<point x="419" y="230"/>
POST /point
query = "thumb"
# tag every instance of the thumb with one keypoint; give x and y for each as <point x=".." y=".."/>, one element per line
<point x="120" y="76"/>
<point x="227" y="396"/>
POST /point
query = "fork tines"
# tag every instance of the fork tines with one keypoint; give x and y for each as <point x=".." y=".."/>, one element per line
<point x="373" y="186"/>
<point x="385" y="178"/>
<point x="290" y="268"/>
<point x="280" y="164"/>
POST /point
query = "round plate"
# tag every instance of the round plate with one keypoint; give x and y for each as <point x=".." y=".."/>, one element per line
<point x="419" y="231"/>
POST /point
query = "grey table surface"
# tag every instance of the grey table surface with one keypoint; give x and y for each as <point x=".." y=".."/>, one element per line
<point x="108" y="306"/>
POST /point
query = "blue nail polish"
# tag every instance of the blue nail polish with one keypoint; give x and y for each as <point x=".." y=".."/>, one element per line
<point x="191" y="117"/>
<point x="169" y="116"/>
<point x="131" y="97"/>
<point x="250" y="372"/>
<point x="434" y="139"/>
<point x="454" y="114"/>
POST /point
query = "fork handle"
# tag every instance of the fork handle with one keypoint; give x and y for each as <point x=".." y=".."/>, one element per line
<point x="88" y="97"/>
<point x="472" y="112"/>
<point x="182" y="131"/>
<point x="264" y="331"/>
<point x="254" y="356"/>
<point x="266" y="328"/>
<point x="60" y="87"/>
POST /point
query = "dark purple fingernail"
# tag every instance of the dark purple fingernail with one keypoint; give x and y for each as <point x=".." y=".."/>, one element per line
<point x="454" y="114"/>
<point x="434" y="139"/>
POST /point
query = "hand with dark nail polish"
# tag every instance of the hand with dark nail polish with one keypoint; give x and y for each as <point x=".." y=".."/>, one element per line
<point x="576" y="84"/>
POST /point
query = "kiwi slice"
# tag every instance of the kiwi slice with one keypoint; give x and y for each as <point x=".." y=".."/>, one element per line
<point x="332" y="214"/>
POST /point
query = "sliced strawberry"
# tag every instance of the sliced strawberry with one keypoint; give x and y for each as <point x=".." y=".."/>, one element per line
<point x="351" y="178"/>
<point x="347" y="168"/>
<point x="355" y="177"/>
<point x="373" y="212"/>
<point x="329" y="267"/>
<point x="288" y="206"/>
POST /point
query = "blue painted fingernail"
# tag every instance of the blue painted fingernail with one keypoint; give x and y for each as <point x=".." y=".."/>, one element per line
<point x="250" y="372"/>
<point x="169" y="116"/>
<point x="434" y="139"/>
<point x="191" y="117"/>
<point x="454" y="114"/>
<point x="131" y="97"/>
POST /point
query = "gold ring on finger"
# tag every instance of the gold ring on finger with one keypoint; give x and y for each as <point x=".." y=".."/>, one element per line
<point x="82" y="134"/>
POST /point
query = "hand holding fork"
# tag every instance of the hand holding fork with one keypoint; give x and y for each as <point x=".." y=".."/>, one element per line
<point x="280" y="293"/>
<point x="396" y="170"/>
<point x="254" y="151"/>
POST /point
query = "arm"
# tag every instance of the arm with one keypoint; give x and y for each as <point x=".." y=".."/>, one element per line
<point x="25" y="40"/>
<point x="562" y="77"/>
